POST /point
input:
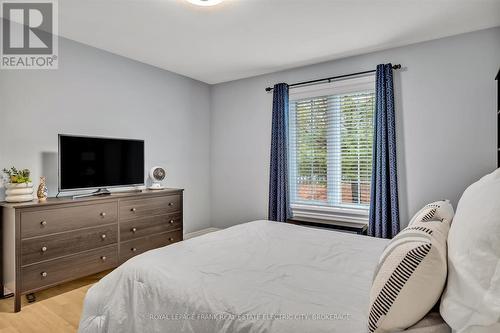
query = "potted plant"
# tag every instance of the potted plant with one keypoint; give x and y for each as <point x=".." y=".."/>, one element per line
<point x="19" y="186"/>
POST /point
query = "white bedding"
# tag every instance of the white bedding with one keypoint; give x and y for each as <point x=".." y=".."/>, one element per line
<point x="260" y="276"/>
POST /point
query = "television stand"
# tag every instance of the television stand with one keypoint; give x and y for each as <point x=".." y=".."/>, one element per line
<point x="99" y="192"/>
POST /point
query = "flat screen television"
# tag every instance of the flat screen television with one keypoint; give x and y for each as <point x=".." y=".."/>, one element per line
<point x="99" y="163"/>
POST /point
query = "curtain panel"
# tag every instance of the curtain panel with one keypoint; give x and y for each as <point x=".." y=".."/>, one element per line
<point x="384" y="207"/>
<point x="279" y="192"/>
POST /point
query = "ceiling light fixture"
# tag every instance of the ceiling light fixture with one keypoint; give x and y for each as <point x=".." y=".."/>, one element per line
<point x="205" y="3"/>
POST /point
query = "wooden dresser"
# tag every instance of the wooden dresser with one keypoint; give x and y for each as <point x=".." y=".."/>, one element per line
<point x="48" y="243"/>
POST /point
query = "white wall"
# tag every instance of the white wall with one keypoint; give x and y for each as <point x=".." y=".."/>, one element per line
<point x="97" y="93"/>
<point x="446" y="124"/>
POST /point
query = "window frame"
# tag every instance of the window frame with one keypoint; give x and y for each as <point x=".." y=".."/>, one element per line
<point x="316" y="213"/>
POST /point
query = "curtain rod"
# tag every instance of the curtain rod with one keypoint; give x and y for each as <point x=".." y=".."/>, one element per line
<point x="329" y="79"/>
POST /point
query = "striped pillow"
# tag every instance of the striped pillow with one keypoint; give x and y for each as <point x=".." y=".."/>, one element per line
<point x="434" y="211"/>
<point x="410" y="276"/>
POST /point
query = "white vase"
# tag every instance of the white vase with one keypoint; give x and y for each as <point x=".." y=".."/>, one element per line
<point x="19" y="192"/>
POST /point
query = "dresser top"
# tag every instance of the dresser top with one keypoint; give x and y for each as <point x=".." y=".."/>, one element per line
<point x="69" y="199"/>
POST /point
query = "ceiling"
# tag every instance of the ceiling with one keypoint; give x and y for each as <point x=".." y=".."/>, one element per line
<point x="243" y="38"/>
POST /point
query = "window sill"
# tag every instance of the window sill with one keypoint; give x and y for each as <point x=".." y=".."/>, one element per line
<point x="348" y="217"/>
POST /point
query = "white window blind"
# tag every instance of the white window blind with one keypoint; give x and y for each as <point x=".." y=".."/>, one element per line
<point x="330" y="145"/>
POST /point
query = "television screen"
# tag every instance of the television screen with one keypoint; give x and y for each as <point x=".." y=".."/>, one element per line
<point x="88" y="162"/>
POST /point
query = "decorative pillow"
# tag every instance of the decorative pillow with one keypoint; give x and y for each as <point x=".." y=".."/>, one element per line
<point x="471" y="301"/>
<point x="411" y="274"/>
<point x="434" y="211"/>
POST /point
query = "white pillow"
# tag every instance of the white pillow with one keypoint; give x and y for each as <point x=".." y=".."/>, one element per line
<point x="436" y="210"/>
<point x="471" y="301"/>
<point x="410" y="277"/>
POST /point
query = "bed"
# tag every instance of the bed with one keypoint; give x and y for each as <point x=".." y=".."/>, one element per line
<point x="259" y="276"/>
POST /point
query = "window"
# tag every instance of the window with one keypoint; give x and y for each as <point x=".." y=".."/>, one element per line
<point x="330" y="141"/>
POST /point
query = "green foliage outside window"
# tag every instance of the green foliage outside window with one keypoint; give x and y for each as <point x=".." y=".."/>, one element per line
<point x="357" y="138"/>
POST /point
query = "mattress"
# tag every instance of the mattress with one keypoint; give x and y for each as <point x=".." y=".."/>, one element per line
<point x="260" y="276"/>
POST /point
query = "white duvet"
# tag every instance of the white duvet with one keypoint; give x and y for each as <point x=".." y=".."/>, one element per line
<point x="260" y="276"/>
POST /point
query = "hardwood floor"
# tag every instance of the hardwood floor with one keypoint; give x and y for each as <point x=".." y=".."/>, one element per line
<point x="56" y="309"/>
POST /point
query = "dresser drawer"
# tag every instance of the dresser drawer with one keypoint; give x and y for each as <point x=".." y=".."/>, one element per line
<point x="134" y="247"/>
<point x="55" y="271"/>
<point x="49" y="247"/>
<point x="153" y="225"/>
<point x="131" y="209"/>
<point x="48" y="221"/>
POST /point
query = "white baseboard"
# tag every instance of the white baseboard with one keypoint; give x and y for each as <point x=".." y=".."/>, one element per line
<point x="199" y="232"/>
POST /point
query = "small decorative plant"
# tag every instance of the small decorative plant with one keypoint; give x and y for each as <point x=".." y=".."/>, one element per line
<point x="18" y="176"/>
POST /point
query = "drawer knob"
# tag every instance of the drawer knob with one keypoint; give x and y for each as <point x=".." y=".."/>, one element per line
<point x="133" y="229"/>
<point x="43" y="274"/>
<point x="171" y="221"/>
<point x="133" y="249"/>
<point x="133" y="209"/>
<point x="103" y="214"/>
<point x="44" y="249"/>
<point x="170" y="203"/>
<point x="43" y="223"/>
<point x="103" y="236"/>
<point x="103" y="258"/>
<point x="171" y="239"/>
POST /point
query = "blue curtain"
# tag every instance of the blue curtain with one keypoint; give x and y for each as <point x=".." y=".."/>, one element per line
<point x="279" y="194"/>
<point x="384" y="208"/>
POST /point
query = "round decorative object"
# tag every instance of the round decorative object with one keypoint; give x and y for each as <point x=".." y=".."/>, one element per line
<point x="19" y="192"/>
<point x="157" y="174"/>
